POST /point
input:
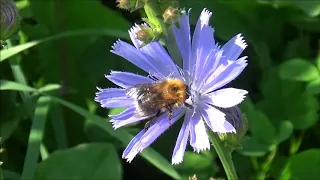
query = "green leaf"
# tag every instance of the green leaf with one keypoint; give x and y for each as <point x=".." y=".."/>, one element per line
<point x="7" y="53"/>
<point x="124" y="137"/>
<point x="299" y="70"/>
<point x="58" y="125"/>
<point x="261" y="127"/>
<point x="203" y="161"/>
<point x="11" y="85"/>
<point x="253" y="146"/>
<point x="35" y="137"/>
<point x="287" y="100"/>
<point x="302" y="112"/>
<point x="312" y="8"/>
<point x="49" y="87"/>
<point x="298" y="47"/>
<point x="313" y="87"/>
<point x="278" y="166"/>
<point x="304" y="165"/>
<point x="11" y="123"/>
<point x="115" y="111"/>
<point x="285" y="130"/>
<point x="221" y="13"/>
<point x="85" y="161"/>
<point x="318" y="60"/>
<point x="10" y="175"/>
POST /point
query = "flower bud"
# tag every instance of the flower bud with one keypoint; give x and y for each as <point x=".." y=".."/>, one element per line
<point x="130" y="5"/>
<point x="9" y="20"/>
<point x="171" y="15"/>
<point x="147" y="35"/>
<point x="239" y="122"/>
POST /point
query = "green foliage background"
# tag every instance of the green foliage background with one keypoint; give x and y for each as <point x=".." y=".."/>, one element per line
<point x="52" y="129"/>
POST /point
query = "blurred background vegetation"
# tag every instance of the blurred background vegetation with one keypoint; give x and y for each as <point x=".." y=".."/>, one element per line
<point x="52" y="129"/>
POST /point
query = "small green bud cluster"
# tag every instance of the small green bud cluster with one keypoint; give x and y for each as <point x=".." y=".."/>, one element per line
<point x="161" y="14"/>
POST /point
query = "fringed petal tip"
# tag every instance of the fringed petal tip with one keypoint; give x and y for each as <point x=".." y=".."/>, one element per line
<point x="198" y="150"/>
<point x="240" y="41"/>
<point x="176" y="161"/>
<point x="115" y="126"/>
<point x="243" y="62"/>
<point x="135" y="28"/>
<point x="116" y="46"/>
<point x="128" y="158"/>
<point x="205" y="14"/>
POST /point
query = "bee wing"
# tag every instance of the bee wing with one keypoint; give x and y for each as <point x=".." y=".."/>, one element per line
<point x="138" y="91"/>
<point x="146" y="97"/>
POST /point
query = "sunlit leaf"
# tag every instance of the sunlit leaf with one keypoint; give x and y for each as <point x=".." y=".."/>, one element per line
<point x="35" y="137"/>
<point x="299" y="70"/>
<point x="11" y="85"/>
<point x="6" y="53"/>
<point x="304" y="165"/>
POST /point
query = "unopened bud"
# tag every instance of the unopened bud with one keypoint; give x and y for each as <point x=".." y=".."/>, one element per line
<point x="9" y="20"/>
<point x="239" y="122"/>
<point x="130" y="5"/>
<point x="147" y="35"/>
<point x="171" y="15"/>
<point x="143" y="35"/>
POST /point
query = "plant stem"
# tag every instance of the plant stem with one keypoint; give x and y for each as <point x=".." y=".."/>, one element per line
<point x="296" y="143"/>
<point x="266" y="165"/>
<point x="224" y="156"/>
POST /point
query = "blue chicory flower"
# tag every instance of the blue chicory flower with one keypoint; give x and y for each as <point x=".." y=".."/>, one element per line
<point x="207" y="68"/>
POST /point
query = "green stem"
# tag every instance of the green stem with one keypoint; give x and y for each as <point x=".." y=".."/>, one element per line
<point x="224" y="156"/>
<point x="296" y="143"/>
<point x="267" y="163"/>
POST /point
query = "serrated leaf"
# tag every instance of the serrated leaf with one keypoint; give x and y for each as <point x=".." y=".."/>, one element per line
<point x="85" y="161"/>
<point x="299" y="70"/>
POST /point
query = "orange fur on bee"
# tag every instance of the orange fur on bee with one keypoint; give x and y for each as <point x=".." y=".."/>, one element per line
<point x="173" y="90"/>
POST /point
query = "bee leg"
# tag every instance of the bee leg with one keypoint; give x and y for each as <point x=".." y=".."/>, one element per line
<point x="170" y="110"/>
<point x="149" y="123"/>
<point x="170" y="117"/>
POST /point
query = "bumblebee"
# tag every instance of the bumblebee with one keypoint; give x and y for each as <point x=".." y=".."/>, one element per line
<point x="154" y="99"/>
